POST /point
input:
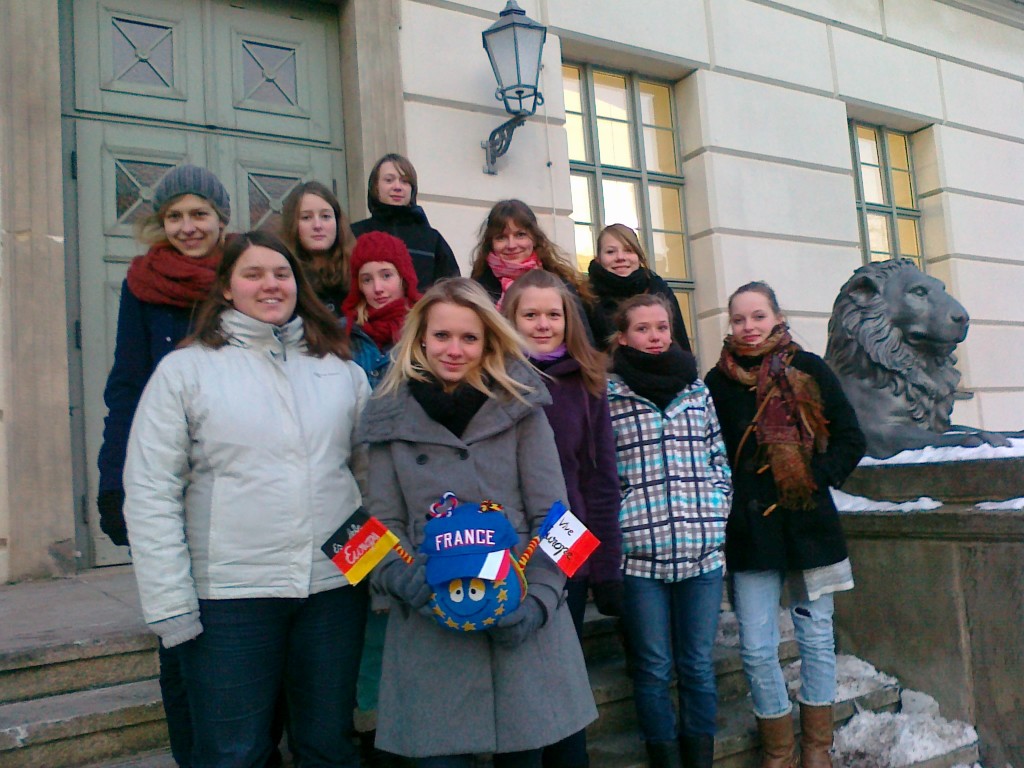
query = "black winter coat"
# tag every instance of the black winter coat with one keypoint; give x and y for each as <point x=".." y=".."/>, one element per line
<point x="432" y="257"/>
<point x="787" y="539"/>
<point x="612" y="290"/>
<point x="145" y="333"/>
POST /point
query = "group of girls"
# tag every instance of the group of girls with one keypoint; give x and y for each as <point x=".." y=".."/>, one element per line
<point x="247" y="444"/>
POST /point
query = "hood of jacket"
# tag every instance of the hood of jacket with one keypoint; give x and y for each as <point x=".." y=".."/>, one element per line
<point x="400" y="417"/>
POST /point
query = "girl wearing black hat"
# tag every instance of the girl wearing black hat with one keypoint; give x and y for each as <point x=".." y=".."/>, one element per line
<point x="185" y="234"/>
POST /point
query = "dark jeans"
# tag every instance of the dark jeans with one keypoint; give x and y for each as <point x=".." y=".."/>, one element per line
<point x="672" y="625"/>
<point x="252" y="648"/>
<point x="175" y="698"/>
<point x="528" y="759"/>
<point x="571" y="752"/>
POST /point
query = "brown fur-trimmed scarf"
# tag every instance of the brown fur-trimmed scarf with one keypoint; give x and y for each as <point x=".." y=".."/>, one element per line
<point x="789" y="424"/>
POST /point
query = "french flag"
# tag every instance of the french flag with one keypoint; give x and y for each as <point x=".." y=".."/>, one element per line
<point x="565" y="539"/>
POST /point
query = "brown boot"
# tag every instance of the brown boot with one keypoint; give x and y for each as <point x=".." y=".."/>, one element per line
<point x="778" y="745"/>
<point x="815" y="736"/>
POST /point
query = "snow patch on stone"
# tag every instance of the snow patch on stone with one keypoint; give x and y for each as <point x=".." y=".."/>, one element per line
<point x="996" y="506"/>
<point x="854" y="677"/>
<point x="846" y="502"/>
<point x="951" y="453"/>
<point x="885" y="740"/>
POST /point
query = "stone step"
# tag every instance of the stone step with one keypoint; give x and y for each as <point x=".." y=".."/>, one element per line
<point x="736" y="744"/>
<point x="75" y="729"/>
<point x="160" y="758"/>
<point x="89" y="662"/>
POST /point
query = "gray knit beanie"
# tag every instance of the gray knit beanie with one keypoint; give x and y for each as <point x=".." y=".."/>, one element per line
<point x="191" y="180"/>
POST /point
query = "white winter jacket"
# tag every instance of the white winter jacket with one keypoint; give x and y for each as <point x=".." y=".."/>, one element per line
<point x="239" y="469"/>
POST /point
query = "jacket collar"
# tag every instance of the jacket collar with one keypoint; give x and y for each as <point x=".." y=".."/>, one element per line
<point x="250" y="333"/>
<point x="400" y="417"/>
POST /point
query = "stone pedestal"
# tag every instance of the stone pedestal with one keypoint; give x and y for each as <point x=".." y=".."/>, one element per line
<point x="939" y="600"/>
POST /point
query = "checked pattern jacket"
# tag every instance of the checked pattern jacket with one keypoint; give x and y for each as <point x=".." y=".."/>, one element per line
<point x="675" y="482"/>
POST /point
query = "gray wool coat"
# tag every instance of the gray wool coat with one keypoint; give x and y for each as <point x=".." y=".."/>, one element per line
<point x="444" y="692"/>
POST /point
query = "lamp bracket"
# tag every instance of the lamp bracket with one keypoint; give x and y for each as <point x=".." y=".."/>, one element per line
<point x="498" y="142"/>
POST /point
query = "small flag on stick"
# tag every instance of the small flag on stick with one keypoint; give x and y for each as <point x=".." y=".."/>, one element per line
<point x="565" y="539"/>
<point x="359" y="545"/>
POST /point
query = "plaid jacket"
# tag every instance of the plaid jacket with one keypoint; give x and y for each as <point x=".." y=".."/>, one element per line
<point x="675" y="482"/>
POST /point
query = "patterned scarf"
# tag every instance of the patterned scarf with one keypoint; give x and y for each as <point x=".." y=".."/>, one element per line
<point x="507" y="271"/>
<point x="789" y="424"/>
<point x="167" y="276"/>
<point x="384" y="324"/>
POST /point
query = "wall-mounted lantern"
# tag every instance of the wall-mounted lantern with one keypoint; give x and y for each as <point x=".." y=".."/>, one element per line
<point x="514" y="44"/>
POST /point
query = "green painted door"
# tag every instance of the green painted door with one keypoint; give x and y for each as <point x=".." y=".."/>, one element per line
<point x="247" y="88"/>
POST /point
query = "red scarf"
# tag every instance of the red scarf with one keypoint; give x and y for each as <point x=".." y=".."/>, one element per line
<point x="507" y="271"/>
<point x="384" y="324"/>
<point x="167" y="276"/>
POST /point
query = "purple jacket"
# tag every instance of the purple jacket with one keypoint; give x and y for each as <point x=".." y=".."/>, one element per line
<point x="586" y="448"/>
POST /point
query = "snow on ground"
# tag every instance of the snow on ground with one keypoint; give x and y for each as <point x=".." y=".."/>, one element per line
<point x="950" y="453"/>
<point x="995" y="506"/>
<point x="729" y="628"/>
<point x="885" y="740"/>
<point x="846" y="502"/>
<point x="854" y="676"/>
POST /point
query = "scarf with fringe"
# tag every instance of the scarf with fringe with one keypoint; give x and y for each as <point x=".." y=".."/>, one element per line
<point x="789" y="423"/>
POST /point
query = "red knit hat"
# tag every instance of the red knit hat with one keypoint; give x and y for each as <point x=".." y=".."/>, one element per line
<point x="379" y="246"/>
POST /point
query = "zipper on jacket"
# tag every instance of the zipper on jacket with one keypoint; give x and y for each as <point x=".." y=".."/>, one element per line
<point x="284" y="347"/>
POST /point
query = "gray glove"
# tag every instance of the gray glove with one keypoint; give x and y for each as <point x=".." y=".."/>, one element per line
<point x="407" y="583"/>
<point x="178" y="629"/>
<point x="513" y="629"/>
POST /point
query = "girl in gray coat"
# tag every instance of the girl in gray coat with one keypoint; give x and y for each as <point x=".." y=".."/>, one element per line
<point x="461" y="411"/>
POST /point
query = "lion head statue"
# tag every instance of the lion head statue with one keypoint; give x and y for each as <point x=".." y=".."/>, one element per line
<point x="891" y="339"/>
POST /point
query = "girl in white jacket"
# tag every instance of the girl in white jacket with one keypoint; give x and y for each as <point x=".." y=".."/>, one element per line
<point x="238" y="469"/>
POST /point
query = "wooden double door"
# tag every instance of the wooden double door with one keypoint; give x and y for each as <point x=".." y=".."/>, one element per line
<point x="248" y="88"/>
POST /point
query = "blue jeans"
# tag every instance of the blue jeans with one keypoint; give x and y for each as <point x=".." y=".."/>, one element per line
<point x="756" y="597"/>
<point x="673" y="625"/>
<point x="175" y="699"/>
<point x="252" y="648"/>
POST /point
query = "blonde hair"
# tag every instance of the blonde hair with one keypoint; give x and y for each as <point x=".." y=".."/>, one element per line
<point x="592" y="363"/>
<point x="626" y="237"/>
<point x="501" y="342"/>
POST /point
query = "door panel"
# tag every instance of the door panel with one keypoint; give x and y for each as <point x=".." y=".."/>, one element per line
<point x="118" y="167"/>
<point x="142" y="58"/>
<point x="274" y="72"/>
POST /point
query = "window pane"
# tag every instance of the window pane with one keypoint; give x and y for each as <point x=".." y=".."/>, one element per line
<point x="577" y="139"/>
<point x="901" y="189"/>
<point x="143" y="53"/>
<point x="683" y="297"/>
<point x="898" y="157"/>
<point x="655" y="105"/>
<point x="659" y="150"/>
<point x="871" y="180"/>
<point x="571" y="89"/>
<point x="909" y="244"/>
<point x="878" y="237"/>
<point x="584" y="246"/>
<point x="867" y="145"/>
<point x="669" y="257"/>
<point x="666" y="212"/>
<point x="580" y="186"/>
<point x="620" y="202"/>
<point x="610" y="93"/>
<point x="614" y="143"/>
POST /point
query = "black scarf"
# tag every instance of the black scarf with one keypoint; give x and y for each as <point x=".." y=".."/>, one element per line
<point x="659" y="378"/>
<point x="452" y="410"/>
<point x="614" y="288"/>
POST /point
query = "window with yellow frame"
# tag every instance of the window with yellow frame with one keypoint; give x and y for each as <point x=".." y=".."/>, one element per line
<point x="625" y="168"/>
<point x="886" y="194"/>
